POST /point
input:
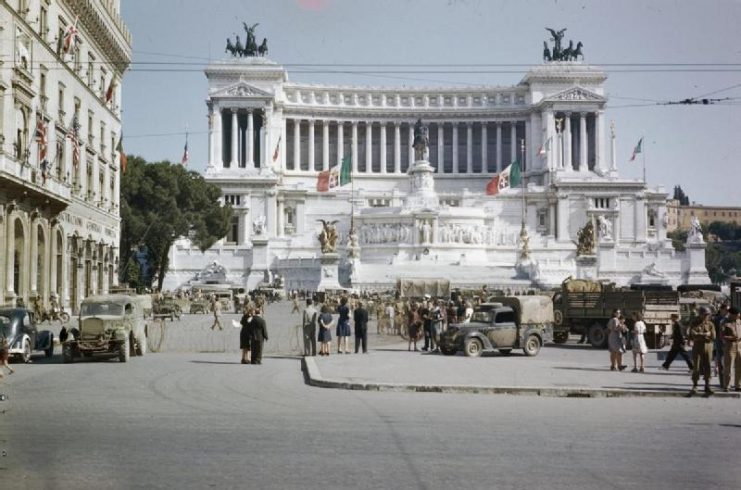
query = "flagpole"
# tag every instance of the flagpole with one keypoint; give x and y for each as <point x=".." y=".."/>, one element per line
<point x="644" y="161"/>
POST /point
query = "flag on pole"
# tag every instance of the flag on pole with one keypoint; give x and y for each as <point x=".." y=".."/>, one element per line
<point x="276" y="153"/>
<point x="638" y="149"/>
<point x="40" y="138"/>
<point x="74" y="136"/>
<point x="70" y="37"/>
<point x="184" y="160"/>
<point x="121" y="154"/>
<point x="111" y="89"/>
<point x="346" y="171"/>
<point x="545" y="148"/>
<point x="507" y="178"/>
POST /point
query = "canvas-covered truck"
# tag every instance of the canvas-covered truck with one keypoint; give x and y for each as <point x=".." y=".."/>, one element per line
<point x="112" y="325"/>
<point x="418" y="288"/>
<point x="506" y="323"/>
<point x="586" y="306"/>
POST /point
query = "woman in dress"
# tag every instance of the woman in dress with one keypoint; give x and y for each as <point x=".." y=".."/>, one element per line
<point x="245" y="334"/>
<point x="343" y="327"/>
<point x="414" y="324"/>
<point x="615" y="330"/>
<point x="325" y="335"/>
<point x="639" y="342"/>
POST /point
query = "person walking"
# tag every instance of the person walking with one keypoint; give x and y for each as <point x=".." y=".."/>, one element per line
<point x="360" y="318"/>
<point x="245" y="335"/>
<point x="615" y="342"/>
<point x="731" y="351"/>
<point x="719" y="320"/>
<point x="343" y="327"/>
<point x="677" y="347"/>
<point x="702" y="333"/>
<point x="309" y="328"/>
<point x="639" y="342"/>
<point x="325" y="334"/>
<point x="391" y="315"/>
<point x="216" y="307"/>
<point x="259" y="337"/>
<point x="414" y="323"/>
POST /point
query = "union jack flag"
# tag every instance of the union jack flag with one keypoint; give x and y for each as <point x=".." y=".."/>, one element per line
<point x="70" y="38"/>
<point x="40" y="136"/>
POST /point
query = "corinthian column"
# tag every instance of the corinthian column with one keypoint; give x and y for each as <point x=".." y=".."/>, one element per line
<point x="297" y="144"/>
<point x="311" y="145"/>
<point x="383" y="148"/>
<point x="235" y="139"/>
<point x="582" y="142"/>
<point x="397" y="148"/>
<point x="368" y="147"/>
<point x="469" y="147"/>
<point x="484" y="149"/>
<point x="355" y="147"/>
<point x="325" y="145"/>
<point x="455" y="148"/>
<point x="250" y="140"/>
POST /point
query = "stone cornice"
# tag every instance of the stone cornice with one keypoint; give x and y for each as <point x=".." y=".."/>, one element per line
<point x="106" y="29"/>
<point x="389" y="116"/>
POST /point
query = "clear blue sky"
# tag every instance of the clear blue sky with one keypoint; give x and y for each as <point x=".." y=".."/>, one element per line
<point x="697" y="147"/>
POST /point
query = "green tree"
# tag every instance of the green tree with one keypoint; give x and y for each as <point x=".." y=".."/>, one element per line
<point x="161" y="202"/>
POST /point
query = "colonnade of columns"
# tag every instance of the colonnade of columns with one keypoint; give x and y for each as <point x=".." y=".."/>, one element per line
<point x="458" y="147"/>
<point x="575" y="140"/>
<point x="237" y="137"/>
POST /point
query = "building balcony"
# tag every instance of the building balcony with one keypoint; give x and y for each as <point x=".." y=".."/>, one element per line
<point x="23" y="181"/>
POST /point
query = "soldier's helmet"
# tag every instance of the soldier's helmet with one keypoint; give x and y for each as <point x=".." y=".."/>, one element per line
<point x="704" y="310"/>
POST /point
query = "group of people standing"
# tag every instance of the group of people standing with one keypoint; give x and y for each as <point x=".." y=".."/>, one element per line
<point x="323" y="321"/>
<point x="711" y="339"/>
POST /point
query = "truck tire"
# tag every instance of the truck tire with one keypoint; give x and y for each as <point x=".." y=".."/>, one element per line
<point x="124" y="351"/>
<point x="26" y="354"/>
<point x="532" y="346"/>
<point x="141" y="346"/>
<point x="67" y="357"/>
<point x="473" y="347"/>
<point x="560" y="337"/>
<point x="598" y="336"/>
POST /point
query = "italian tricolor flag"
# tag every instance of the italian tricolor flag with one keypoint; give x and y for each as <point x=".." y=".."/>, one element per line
<point x="335" y="176"/>
<point x="507" y="178"/>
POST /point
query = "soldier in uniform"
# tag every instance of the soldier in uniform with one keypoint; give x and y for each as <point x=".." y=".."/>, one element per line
<point x="702" y="333"/>
<point x="731" y="351"/>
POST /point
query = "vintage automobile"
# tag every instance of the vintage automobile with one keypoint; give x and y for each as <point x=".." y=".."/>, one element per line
<point x="110" y="324"/>
<point x="525" y="322"/>
<point x="18" y="326"/>
<point x="166" y="308"/>
<point x="199" y="306"/>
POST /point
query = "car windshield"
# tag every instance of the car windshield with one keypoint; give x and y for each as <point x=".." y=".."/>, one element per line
<point x="481" y="316"/>
<point x="4" y="326"/>
<point x="104" y="308"/>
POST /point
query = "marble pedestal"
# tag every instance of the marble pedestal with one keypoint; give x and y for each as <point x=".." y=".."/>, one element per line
<point x="696" y="272"/>
<point x="586" y="267"/>
<point x="260" y="266"/>
<point x="329" y="271"/>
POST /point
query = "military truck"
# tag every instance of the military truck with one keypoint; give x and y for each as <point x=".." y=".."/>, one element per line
<point x="506" y="323"/>
<point x="586" y="306"/>
<point x="112" y="325"/>
<point x="735" y="292"/>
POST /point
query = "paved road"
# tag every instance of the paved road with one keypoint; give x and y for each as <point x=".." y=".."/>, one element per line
<point x="200" y="420"/>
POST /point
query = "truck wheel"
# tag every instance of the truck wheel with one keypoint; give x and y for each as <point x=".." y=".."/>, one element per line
<point x="448" y="351"/>
<point x="50" y="350"/>
<point x="557" y="317"/>
<point x="560" y="337"/>
<point x="532" y="346"/>
<point x="141" y="346"/>
<point x="26" y="354"/>
<point x="473" y="347"/>
<point x="598" y="336"/>
<point x="505" y="352"/>
<point x="67" y="357"/>
<point x="124" y="351"/>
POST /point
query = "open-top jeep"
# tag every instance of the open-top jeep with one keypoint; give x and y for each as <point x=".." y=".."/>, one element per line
<point x="111" y="325"/>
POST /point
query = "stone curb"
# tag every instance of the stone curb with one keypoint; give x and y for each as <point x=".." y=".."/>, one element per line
<point x="314" y="378"/>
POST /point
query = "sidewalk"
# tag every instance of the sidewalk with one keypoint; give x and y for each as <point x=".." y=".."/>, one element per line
<point x="566" y="370"/>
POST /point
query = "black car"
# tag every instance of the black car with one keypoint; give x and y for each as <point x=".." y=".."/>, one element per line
<point x="18" y="326"/>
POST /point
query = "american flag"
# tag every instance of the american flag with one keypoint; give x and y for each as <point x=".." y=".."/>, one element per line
<point x="74" y="136"/>
<point x="70" y="38"/>
<point x="184" y="160"/>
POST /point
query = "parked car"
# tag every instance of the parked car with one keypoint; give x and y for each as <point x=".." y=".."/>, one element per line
<point x="166" y="308"/>
<point x="524" y="322"/>
<point x="18" y="325"/>
<point x="110" y="324"/>
<point x="199" y="306"/>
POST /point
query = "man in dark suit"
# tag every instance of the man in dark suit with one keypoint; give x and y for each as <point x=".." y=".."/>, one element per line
<point x="360" y="317"/>
<point x="259" y="336"/>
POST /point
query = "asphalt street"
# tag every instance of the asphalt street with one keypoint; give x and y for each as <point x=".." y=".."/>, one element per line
<point x="202" y="420"/>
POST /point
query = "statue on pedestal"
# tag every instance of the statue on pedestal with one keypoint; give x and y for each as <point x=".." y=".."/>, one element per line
<point x="605" y="228"/>
<point x="328" y="236"/>
<point x="695" y="233"/>
<point x="421" y="140"/>
<point x="585" y="244"/>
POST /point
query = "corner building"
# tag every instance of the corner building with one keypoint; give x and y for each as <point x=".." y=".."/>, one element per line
<point x="59" y="211"/>
<point x="269" y="138"/>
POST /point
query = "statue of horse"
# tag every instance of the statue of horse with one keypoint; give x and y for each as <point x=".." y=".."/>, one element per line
<point x="238" y="48"/>
<point x="568" y="52"/>
<point x="263" y="49"/>
<point x="578" y="52"/>
<point x="546" y="52"/>
<point x="230" y="47"/>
